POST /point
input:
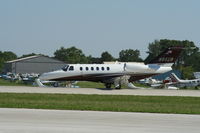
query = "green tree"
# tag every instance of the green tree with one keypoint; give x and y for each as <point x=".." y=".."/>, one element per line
<point x="158" y="46"/>
<point x="94" y="60"/>
<point x="188" y="61"/>
<point x="194" y="61"/>
<point x="70" y="55"/>
<point x="6" y="56"/>
<point x="105" y="56"/>
<point x="1" y="64"/>
<point x="187" y="72"/>
<point x="130" y="55"/>
<point x="27" y="55"/>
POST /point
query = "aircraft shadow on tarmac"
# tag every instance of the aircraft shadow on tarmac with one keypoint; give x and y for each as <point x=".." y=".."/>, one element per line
<point x="105" y="89"/>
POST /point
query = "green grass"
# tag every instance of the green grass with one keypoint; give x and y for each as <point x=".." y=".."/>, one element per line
<point x="153" y="104"/>
<point x="190" y="88"/>
<point x="86" y="84"/>
<point x="141" y="85"/>
<point x="11" y="83"/>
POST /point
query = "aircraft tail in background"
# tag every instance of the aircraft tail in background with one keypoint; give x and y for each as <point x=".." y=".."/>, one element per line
<point x="174" y="78"/>
<point x="168" y="57"/>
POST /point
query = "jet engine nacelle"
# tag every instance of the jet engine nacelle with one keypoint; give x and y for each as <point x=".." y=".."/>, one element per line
<point x="134" y="67"/>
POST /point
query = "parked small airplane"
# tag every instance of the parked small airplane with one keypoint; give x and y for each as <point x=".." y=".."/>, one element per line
<point x="183" y="83"/>
<point x="117" y="74"/>
<point x="155" y="83"/>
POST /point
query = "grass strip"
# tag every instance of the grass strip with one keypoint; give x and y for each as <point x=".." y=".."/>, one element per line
<point x="12" y="83"/>
<point x="121" y="103"/>
<point x="87" y="84"/>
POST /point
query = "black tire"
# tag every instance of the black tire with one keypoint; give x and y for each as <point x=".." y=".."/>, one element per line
<point x="55" y="84"/>
<point x="108" y="85"/>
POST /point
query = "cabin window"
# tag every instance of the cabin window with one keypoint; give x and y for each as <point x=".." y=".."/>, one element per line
<point x="86" y="68"/>
<point x="81" y="68"/>
<point x="92" y="68"/>
<point x="97" y="68"/>
<point x="102" y="68"/>
<point x="71" y="68"/>
<point x="108" y="68"/>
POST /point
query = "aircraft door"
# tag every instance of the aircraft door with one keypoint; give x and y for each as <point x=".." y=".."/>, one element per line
<point x="124" y="68"/>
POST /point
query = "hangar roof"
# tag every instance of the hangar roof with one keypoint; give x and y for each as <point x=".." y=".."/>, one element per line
<point x="30" y="57"/>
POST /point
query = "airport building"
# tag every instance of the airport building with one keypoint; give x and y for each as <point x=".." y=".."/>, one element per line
<point x="33" y="64"/>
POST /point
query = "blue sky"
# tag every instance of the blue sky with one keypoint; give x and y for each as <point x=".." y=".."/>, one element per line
<point x="95" y="26"/>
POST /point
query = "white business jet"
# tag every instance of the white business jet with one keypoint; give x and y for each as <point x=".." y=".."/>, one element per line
<point x="117" y="74"/>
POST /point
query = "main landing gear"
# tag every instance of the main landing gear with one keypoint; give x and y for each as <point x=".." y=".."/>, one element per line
<point x="108" y="85"/>
<point x="118" y="87"/>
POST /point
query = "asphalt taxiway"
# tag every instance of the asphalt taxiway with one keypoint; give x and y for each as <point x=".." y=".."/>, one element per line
<point x="145" y="92"/>
<point x="59" y="121"/>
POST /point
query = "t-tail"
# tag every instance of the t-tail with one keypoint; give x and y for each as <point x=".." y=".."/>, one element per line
<point x="168" y="57"/>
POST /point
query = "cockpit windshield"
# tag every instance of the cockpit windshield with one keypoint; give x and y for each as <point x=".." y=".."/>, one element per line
<point x="65" y="68"/>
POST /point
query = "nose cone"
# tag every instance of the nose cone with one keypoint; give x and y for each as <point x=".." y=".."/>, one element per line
<point x="48" y="76"/>
<point x="44" y="76"/>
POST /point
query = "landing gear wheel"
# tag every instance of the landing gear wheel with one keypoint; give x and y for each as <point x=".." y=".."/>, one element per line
<point x="108" y="85"/>
<point x="118" y="87"/>
<point x="55" y="84"/>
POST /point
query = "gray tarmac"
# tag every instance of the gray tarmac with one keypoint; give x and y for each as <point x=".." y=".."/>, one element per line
<point x="145" y="92"/>
<point x="60" y="121"/>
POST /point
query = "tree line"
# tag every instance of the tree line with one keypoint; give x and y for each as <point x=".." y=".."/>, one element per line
<point x="187" y="63"/>
<point x="74" y="55"/>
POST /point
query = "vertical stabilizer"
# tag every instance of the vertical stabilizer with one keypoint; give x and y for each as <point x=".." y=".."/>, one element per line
<point x="169" y="56"/>
<point x="174" y="78"/>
